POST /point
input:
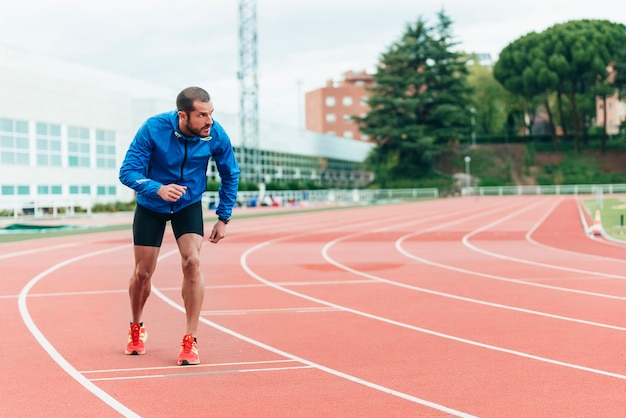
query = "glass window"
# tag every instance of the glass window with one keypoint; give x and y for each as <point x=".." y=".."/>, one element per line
<point x="48" y="144"/>
<point x="6" y="125"/>
<point x="14" y="142"/>
<point x="8" y="189"/>
<point x="23" y="190"/>
<point x="330" y="101"/>
<point x="330" y="117"/>
<point x="105" y="149"/>
<point x="7" y="157"/>
<point x="21" y="126"/>
<point x="347" y="101"/>
<point x="78" y="146"/>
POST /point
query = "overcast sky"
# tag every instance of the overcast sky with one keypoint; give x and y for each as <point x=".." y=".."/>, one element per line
<point x="301" y="43"/>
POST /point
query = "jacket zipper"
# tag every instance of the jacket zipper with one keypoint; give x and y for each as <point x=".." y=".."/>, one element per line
<point x="182" y="168"/>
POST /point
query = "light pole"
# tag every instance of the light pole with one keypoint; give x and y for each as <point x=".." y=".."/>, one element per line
<point x="473" y="111"/>
<point x="467" y="171"/>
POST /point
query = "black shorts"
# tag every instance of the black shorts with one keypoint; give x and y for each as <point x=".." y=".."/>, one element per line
<point x="149" y="226"/>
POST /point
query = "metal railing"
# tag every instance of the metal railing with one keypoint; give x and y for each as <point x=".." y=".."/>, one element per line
<point x="566" y="189"/>
<point x="320" y="197"/>
<point x="48" y="206"/>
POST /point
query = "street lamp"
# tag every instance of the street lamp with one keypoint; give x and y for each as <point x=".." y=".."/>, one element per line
<point x="467" y="171"/>
<point x="473" y="110"/>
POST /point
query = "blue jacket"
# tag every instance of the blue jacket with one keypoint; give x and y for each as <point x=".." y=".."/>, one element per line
<point x="160" y="154"/>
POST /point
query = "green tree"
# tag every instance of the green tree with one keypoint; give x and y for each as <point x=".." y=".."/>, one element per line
<point x="566" y="60"/>
<point x="522" y="69"/>
<point x="489" y="97"/>
<point x="419" y="101"/>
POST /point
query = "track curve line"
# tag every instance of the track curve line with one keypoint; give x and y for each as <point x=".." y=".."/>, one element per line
<point x="49" y="348"/>
<point x="412" y="327"/>
<point x="468" y="244"/>
<point x="402" y="250"/>
<point x="312" y="364"/>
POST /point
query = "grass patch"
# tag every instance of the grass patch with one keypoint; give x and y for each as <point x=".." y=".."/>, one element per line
<point x="612" y="214"/>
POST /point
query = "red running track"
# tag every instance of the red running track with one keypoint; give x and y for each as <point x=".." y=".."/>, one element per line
<point x="489" y="307"/>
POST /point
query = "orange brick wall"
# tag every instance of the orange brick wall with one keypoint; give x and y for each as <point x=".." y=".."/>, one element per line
<point x="346" y="100"/>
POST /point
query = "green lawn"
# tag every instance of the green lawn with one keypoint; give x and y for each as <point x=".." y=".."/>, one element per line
<point x="612" y="214"/>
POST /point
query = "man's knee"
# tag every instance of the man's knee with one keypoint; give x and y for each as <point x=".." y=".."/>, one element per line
<point x="142" y="274"/>
<point x="191" y="263"/>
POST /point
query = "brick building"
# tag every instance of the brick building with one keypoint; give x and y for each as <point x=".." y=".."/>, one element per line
<point x="329" y="109"/>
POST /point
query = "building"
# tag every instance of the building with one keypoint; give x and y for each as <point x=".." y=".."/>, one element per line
<point x="615" y="113"/>
<point x="615" y="108"/>
<point x="65" y="128"/>
<point x="329" y="109"/>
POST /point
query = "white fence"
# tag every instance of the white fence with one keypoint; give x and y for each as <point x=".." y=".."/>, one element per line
<point x="573" y="189"/>
<point x="47" y="206"/>
<point x="61" y="206"/>
<point x="318" y="197"/>
<point x="68" y="206"/>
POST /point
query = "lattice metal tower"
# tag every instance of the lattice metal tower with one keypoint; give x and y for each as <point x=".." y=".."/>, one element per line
<point x="248" y="99"/>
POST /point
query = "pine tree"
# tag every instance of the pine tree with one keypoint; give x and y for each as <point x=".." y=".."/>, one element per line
<point x="419" y="102"/>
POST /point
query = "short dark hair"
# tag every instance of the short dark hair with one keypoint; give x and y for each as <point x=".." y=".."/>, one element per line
<point x="185" y="99"/>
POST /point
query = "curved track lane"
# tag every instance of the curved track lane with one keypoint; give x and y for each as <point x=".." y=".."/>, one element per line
<point x="461" y="307"/>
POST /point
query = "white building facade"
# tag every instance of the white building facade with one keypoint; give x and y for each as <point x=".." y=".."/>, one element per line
<point x="64" y="130"/>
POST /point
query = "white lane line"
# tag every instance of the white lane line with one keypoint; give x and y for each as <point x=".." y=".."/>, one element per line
<point x="266" y="311"/>
<point x="428" y="331"/>
<point x="201" y="373"/>
<point x="37" y="250"/>
<point x="177" y="289"/>
<point x="202" y="365"/>
<point x="468" y="244"/>
<point x="301" y="359"/>
<point x="49" y="348"/>
<point x="613" y="243"/>
<point x="419" y="329"/>
<point x="400" y="249"/>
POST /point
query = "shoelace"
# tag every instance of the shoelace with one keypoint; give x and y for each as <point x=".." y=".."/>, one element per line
<point x="134" y="333"/>
<point x="187" y="344"/>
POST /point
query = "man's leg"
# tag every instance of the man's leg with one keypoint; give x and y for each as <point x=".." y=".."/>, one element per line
<point x="193" y="294"/>
<point x="140" y="284"/>
<point x="192" y="290"/>
<point x="148" y="229"/>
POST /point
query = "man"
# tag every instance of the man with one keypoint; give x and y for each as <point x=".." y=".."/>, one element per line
<point x="166" y="165"/>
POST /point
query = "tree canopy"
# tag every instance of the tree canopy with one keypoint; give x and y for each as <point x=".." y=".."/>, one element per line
<point x="570" y="61"/>
<point x="419" y="101"/>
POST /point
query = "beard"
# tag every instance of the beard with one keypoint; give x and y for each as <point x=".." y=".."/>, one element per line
<point x="196" y="131"/>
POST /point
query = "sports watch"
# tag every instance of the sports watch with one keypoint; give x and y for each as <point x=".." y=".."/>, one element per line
<point x="222" y="219"/>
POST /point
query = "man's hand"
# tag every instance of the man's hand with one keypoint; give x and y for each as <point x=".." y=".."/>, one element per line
<point x="171" y="192"/>
<point x="218" y="232"/>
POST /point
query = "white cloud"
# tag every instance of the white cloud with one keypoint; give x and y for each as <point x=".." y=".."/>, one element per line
<point x="301" y="44"/>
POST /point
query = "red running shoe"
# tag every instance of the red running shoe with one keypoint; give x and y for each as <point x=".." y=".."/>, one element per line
<point x="137" y="337"/>
<point x="188" y="351"/>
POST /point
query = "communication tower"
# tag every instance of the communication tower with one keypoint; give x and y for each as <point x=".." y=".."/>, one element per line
<point x="248" y="99"/>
